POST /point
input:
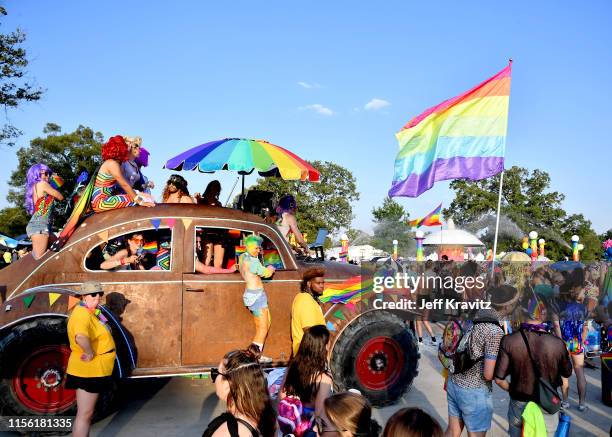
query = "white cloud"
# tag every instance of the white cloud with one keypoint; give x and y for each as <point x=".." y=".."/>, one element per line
<point x="320" y="109"/>
<point x="308" y="85"/>
<point x="376" y="104"/>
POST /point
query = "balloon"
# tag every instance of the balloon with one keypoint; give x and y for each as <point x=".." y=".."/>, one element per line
<point x="580" y="246"/>
<point x="529" y="251"/>
<point x="525" y="245"/>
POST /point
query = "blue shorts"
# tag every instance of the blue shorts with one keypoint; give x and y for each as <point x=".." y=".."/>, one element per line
<point x="255" y="300"/>
<point x="38" y="225"/>
<point x="474" y="406"/>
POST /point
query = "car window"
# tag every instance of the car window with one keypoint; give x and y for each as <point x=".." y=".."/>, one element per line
<point x="143" y="250"/>
<point x="221" y="247"/>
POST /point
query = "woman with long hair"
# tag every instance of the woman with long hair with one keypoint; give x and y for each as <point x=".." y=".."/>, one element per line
<point x="129" y="258"/>
<point x="110" y="183"/>
<point x="39" y="199"/>
<point x="308" y="377"/>
<point x="287" y="224"/>
<point x="347" y="414"/>
<point x="241" y="384"/>
<point x="211" y="194"/>
<point x="176" y="190"/>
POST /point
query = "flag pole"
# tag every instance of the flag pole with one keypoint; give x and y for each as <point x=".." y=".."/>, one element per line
<point x="501" y="184"/>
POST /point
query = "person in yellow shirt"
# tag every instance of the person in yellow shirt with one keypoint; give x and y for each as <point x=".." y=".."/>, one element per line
<point x="305" y="310"/>
<point x="92" y="355"/>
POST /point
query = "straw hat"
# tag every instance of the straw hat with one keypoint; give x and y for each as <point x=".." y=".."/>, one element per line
<point x="89" y="287"/>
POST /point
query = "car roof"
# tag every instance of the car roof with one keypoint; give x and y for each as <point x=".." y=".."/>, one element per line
<point x="100" y="221"/>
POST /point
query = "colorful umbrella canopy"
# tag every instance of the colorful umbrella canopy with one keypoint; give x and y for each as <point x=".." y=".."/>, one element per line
<point x="245" y="155"/>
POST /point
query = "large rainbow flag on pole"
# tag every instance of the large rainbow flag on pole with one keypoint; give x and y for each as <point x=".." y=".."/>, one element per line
<point x="461" y="138"/>
<point x="431" y="219"/>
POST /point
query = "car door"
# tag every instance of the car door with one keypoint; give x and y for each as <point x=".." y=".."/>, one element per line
<point x="215" y="320"/>
<point x="146" y="302"/>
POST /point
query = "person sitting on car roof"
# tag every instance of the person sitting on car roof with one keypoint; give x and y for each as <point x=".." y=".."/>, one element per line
<point x="110" y="182"/>
<point x="176" y="190"/>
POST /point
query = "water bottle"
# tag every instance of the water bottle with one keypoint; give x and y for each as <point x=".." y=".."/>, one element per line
<point x="564" y="425"/>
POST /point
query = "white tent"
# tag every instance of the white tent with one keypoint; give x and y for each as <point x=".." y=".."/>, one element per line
<point x="452" y="237"/>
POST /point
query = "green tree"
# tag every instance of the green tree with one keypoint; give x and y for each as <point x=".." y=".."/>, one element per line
<point x="14" y="89"/>
<point x="67" y="154"/>
<point x="327" y="204"/>
<point x="606" y="235"/>
<point x="527" y="205"/>
<point x="391" y="223"/>
<point x="576" y="224"/>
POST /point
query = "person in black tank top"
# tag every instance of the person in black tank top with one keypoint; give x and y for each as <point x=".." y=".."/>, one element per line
<point x="241" y="383"/>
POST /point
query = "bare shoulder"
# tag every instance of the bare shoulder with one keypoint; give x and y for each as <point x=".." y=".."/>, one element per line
<point x="223" y="431"/>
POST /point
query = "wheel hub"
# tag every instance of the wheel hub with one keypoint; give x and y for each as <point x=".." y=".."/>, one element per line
<point x="51" y="378"/>
<point x="379" y="363"/>
<point x="38" y="381"/>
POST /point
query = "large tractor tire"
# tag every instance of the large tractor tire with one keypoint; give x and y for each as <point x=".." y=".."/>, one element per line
<point x="33" y="360"/>
<point x="377" y="355"/>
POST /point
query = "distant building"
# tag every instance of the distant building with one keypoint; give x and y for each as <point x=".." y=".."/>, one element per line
<point x="357" y="253"/>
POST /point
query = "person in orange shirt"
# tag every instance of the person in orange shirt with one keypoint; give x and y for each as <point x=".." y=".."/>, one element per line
<point x="92" y="355"/>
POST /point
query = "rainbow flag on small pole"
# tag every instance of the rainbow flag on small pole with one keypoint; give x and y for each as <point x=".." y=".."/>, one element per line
<point x="461" y="138"/>
<point x="431" y="219"/>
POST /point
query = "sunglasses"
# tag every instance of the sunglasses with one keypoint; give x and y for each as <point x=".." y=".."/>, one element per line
<point x="99" y="293"/>
<point x="214" y="373"/>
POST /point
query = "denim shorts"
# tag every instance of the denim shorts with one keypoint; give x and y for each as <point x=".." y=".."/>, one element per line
<point x="474" y="406"/>
<point x="255" y="300"/>
<point x="38" y="225"/>
<point x="515" y="419"/>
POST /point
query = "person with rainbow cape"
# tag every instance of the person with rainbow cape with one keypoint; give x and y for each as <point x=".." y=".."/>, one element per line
<point x="254" y="296"/>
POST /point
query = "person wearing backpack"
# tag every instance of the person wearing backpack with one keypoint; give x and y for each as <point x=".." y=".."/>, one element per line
<point x="469" y="388"/>
<point x="307" y="383"/>
<point x="538" y="364"/>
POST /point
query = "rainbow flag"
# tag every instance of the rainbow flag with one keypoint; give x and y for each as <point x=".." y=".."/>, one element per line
<point x="461" y="138"/>
<point x="271" y="257"/>
<point x="150" y="247"/>
<point x="349" y="291"/>
<point x="431" y="219"/>
<point x="56" y="181"/>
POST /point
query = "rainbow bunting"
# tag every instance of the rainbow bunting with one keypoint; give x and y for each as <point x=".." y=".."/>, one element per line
<point x="431" y="219"/>
<point x="461" y="138"/>
<point x="150" y="247"/>
<point x="349" y="291"/>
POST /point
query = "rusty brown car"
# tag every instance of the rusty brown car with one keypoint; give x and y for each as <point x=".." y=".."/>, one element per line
<point x="169" y="320"/>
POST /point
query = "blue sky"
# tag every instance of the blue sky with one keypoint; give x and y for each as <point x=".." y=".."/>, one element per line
<point x="183" y="73"/>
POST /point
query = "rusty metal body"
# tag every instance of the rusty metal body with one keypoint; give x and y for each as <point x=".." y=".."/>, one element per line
<point x="180" y="322"/>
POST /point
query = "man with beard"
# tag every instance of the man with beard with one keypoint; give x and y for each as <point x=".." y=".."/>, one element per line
<point x="305" y="310"/>
<point x="176" y="190"/>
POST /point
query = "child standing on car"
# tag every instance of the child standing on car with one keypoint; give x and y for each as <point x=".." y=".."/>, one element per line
<point x="254" y="296"/>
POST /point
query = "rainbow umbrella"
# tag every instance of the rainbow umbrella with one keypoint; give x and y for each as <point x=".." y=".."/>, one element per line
<point x="245" y="156"/>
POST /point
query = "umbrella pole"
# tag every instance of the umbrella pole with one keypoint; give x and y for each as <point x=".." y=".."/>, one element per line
<point x="242" y="197"/>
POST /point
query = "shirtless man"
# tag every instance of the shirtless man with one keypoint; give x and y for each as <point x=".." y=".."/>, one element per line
<point x="254" y="296"/>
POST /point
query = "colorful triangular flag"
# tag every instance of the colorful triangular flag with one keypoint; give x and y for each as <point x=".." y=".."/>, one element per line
<point x="103" y="235"/>
<point x="187" y="222"/>
<point x="27" y="300"/>
<point x="331" y="326"/>
<point x="156" y="222"/>
<point x="72" y="301"/>
<point x="53" y="297"/>
<point x="394" y="297"/>
<point x="338" y="314"/>
<point x="170" y="222"/>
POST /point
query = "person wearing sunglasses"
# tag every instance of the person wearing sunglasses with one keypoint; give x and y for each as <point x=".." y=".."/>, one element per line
<point x="92" y="355"/>
<point x="176" y="190"/>
<point x="128" y="258"/>
<point x="347" y="414"/>
<point x="138" y="157"/>
<point x="39" y="199"/>
<point x="241" y="384"/>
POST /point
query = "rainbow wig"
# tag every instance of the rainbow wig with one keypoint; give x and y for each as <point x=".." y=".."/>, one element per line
<point x="143" y="158"/>
<point x="32" y="178"/>
<point x="286" y="203"/>
<point x="253" y="240"/>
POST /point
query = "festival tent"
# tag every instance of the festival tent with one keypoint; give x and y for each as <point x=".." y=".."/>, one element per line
<point x="452" y="241"/>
